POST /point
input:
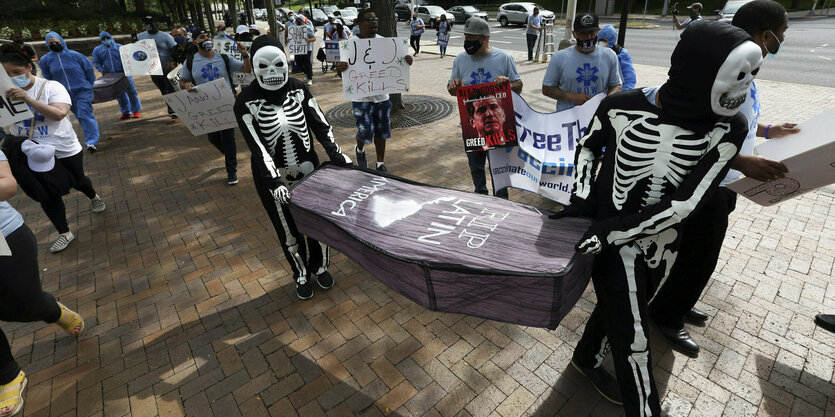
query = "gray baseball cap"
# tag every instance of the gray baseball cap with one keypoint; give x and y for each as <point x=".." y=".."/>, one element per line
<point x="476" y="26"/>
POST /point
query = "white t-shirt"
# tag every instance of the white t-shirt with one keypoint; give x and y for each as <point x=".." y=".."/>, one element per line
<point x="59" y="134"/>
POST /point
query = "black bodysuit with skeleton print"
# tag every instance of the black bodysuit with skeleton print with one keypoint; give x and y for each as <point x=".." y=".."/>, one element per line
<point x="277" y="126"/>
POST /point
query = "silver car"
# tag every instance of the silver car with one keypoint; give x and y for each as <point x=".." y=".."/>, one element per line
<point x="517" y="13"/>
<point x="431" y="15"/>
<point x="727" y="13"/>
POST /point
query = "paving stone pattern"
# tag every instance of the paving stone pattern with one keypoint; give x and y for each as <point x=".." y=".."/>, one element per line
<point x="191" y="309"/>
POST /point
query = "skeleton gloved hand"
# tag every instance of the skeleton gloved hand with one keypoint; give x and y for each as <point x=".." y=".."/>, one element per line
<point x="567" y="211"/>
<point x="592" y="242"/>
<point x="281" y="194"/>
<point x="341" y="160"/>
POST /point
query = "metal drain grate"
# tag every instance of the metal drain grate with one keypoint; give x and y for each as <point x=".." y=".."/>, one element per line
<point x="420" y="110"/>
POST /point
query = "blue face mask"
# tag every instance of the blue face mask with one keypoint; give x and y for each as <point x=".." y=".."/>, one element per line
<point x="21" y="80"/>
<point x="179" y="39"/>
<point x="107" y="42"/>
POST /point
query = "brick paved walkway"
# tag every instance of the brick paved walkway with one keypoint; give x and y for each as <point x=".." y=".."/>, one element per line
<point x="191" y="309"/>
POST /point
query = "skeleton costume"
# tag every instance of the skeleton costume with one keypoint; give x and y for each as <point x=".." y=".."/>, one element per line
<point x="656" y="166"/>
<point x="276" y="115"/>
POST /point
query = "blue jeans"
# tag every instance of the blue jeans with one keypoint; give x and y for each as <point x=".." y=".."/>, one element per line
<point x="82" y="108"/>
<point x="129" y="101"/>
<point x="476" y="161"/>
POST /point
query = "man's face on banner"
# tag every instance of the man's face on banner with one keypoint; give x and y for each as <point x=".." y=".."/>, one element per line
<point x="488" y="116"/>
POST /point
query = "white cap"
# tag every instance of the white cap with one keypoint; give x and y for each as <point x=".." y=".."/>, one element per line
<point x="41" y="158"/>
<point x="338" y="22"/>
<point x="254" y="26"/>
<point x="241" y="29"/>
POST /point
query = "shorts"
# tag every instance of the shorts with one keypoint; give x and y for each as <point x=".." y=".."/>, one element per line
<point x="373" y="120"/>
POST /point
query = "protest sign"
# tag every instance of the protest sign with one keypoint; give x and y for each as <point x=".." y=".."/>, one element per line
<point x="230" y="48"/>
<point x="443" y="39"/>
<point x="174" y="77"/>
<point x="332" y="51"/>
<point x="11" y="111"/>
<point x="207" y="110"/>
<point x="809" y="155"/>
<point x="296" y="43"/>
<point x="141" y="58"/>
<point x="486" y="112"/>
<point x="543" y="163"/>
<point x="375" y="66"/>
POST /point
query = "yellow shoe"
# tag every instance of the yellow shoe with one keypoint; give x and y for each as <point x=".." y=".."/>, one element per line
<point x="70" y="321"/>
<point x="11" y="396"/>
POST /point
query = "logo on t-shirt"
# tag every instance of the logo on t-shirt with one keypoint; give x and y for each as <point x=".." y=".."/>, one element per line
<point x="480" y="77"/>
<point x="210" y="72"/>
<point x="140" y="56"/>
<point x="587" y="74"/>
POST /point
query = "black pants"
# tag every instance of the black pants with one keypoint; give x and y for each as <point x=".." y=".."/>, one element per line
<point x="303" y="64"/>
<point x="415" y="42"/>
<point x="224" y="141"/>
<point x="531" y="45"/>
<point x="702" y="236"/>
<point x="54" y="208"/>
<point x="164" y="86"/>
<point x="21" y="297"/>
<point x="292" y="242"/>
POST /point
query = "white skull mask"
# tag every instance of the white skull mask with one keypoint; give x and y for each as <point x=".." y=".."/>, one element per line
<point x="730" y="88"/>
<point x="270" y="67"/>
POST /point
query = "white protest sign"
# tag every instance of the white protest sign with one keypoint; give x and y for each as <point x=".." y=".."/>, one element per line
<point x="230" y="47"/>
<point x="809" y="155"/>
<point x="375" y="66"/>
<point x="141" y="58"/>
<point x="296" y="43"/>
<point x="207" y="110"/>
<point x="543" y="163"/>
<point x="174" y="77"/>
<point x="331" y="51"/>
<point x="11" y="111"/>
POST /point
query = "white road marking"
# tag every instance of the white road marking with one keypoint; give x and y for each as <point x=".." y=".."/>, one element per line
<point x="500" y="42"/>
<point x="828" y="59"/>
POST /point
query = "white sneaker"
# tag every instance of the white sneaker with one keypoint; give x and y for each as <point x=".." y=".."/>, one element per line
<point x="309" y="81"/>
<point x="96" y="205"/>
<point x="62" y="242"/>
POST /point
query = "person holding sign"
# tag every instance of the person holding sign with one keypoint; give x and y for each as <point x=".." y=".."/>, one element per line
<point x="443" y="34"/>
<point x="303" y="57"/>
<point x="75" y="72"/>
<point x="106" y="59"/>
<point x="52" y="131"/>
<point x="416" y="28"/>
<point x="165" y="44"/>
<point x="481" y="63"/>
<point x="206" y="66"/>
<point x="276" y="115"/>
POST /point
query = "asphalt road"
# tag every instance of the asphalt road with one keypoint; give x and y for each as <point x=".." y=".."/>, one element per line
<point x="807" y="56"/>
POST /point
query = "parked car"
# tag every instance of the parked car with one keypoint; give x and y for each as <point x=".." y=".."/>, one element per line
<point x="431" y="15"/>
<point x="462" y="13"/>
<point x="329" y="10"/>
<point x="402" y="11"/>
<point x="727" y="13"/>
<point x="518" y="13"/>
<point x="348" y="17"/>
<point x="318" y="17"/>
<point x="281" y="14"/>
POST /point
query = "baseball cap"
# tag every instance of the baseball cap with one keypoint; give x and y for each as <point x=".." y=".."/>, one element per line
<point x="241" y="29"/>
<point x="199" y="31"/>
<point x="476" y="26"/>
<point x="254" y="26"/>
<point x="338" y="22"/>
<point x="586" y="22"/>
<point x="41" y="158"/>
<point x="695" y="5"/>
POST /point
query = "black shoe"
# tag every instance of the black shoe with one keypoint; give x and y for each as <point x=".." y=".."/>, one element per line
<point x="680" y="339"/>
<point x="603" y="382"/>
<point x="304" y="288"/>
<point x="232" y="178"/>
<point x="92" y="148"/>
<point x="172" y="116"/>
<point x="826" y="322"/>
<point x="382" y="168"/>
<point x="325" y="280"/>
<point x="696" y="316"/>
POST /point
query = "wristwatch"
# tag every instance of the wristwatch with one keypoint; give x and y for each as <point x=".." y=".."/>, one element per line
<point x="244" y="56"/>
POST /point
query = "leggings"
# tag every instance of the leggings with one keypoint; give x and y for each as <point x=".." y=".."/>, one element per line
<point x="54" y="208"/>
<point x="414" y="41"/>
<point x="21" y="297"/>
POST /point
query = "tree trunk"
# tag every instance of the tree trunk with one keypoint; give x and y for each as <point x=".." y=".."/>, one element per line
<point x="123" y="5"/>
<point x="209" y="17"/>
<point x="387" y="27"/>
<point x="139" y="6"/>
<point x="271" y="18"/>
<point x="795" y="4"/>
<point x="233" y="14"/>
<point x="197" y="13"/>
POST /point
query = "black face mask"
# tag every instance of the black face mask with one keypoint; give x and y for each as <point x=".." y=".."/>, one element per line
<point x="694" y="15"/>
<point x="56" y="47"/>
<point x="472" y="47"/>
<point x="587" y="46"/>
<point x="151" y="28"/>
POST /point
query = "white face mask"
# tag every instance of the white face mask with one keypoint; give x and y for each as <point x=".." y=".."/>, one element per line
<point x="270" y="67"/>
<point x="730" y="88"/>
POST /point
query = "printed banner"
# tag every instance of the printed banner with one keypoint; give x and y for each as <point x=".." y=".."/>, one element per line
<point x="296" y="43"/>
<point x="443" y="39"/>
<point x="174" y="77"/>
<point x="375" y="66"/>
<point x="230" y="47"/>
<point x="207" y="110"/>
<point x="543" y="163"/>
<point x="141" y="58"/>
<point x="486" y="112"/>
<point x="332" y="51"/>
<point x="11" y="111"/>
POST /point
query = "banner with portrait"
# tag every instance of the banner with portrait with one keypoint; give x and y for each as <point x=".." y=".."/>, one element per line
<point x="486" y="112"/>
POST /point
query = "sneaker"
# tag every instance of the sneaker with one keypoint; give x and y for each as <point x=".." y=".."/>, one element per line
<point x="136" y="115"/>
<point x="309" y="81"/>
<point x="125" y="116"/>
<point x="70" y="321"/>
<point x="91" y="148"/>
<point x="382" y="168"/>
<point x="61" y="243"/>
<point x="603" y="382"/>
<point x="96" y="205"/>
<point x="232" y="178"/>
<point x="360" y="158"/>
<point x="325" y="280"/>
<point x="11" y="395"/>
<point x="304" y="288"/>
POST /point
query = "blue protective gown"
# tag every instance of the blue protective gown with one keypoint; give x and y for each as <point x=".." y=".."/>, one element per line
<point x="106" y="59"/>
<point x="75" y="72"/>
<point x="627" y="71"/>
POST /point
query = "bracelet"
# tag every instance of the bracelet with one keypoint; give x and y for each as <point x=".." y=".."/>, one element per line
<point x="766" y="131"/>
<point x="244" y="56"/>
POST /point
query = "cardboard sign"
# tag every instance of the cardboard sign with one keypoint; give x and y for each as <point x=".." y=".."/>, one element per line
<point x="230" y="47"/>
<point x="210" y="109"/>
<point x="443" y="39"/>
<point x="809" y="155"/>
<point x="331" y="51"/>
<point x="174" y="77"/>
<point x="141" y="58"/>
<point x="543" y="163"/>
<point x="375" y="66"/>
<point x="486" y="112"/>
<point x="11" y="111"/>
<point x="296" y="43"/>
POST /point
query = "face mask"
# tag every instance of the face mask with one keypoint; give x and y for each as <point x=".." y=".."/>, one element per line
<point x="56" y="47"/>
<point x="21" y="80"/>
<point x="587" y="46"/>
<point x="694" y="15"/>
<point x="779" y="45"/>
<point x="179" y="39"/>
<point x="106" y="42"/>
<point x="151" y="28"/>
<point x="207" y="45"/>
<point x="472" y="46"/>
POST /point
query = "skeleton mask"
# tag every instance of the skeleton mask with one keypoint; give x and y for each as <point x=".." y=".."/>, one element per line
<point x="270" y="67"/>
<point x="734" y="78"/>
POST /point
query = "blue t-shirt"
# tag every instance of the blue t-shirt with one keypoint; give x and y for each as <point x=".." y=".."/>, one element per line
<point x="474" y="70"/>
<point x="10" y="219"/>
<point x="413" y="24"/>
<point x="536" y="21"/>
<point x="210" y="69"/>
<point x="165" y="43"/>
<point x="575" y="72"/>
